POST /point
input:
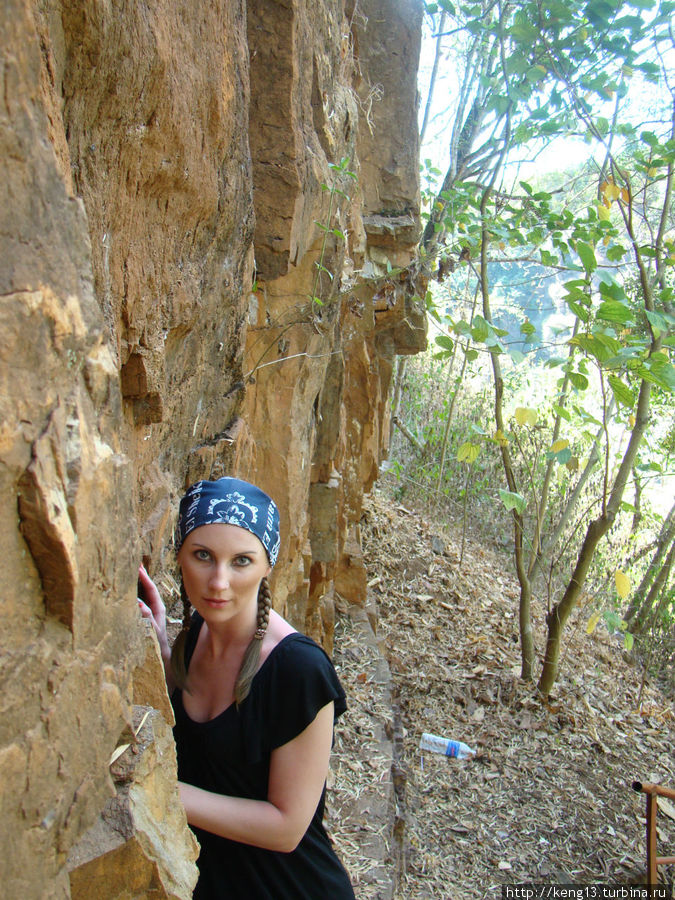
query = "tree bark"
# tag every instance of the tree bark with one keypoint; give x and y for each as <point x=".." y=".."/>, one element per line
<point x="643" y="615"/>
<point x="408" y="434"/>
<point x="666" y="537"/>
<point x="597" y="529"/>
<point x="398" y="391"/>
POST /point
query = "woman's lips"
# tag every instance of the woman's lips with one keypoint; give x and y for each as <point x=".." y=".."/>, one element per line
<point x="212" y="601"/>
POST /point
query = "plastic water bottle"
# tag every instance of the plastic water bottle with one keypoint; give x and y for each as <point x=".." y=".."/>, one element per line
<point x="445" y="746"/>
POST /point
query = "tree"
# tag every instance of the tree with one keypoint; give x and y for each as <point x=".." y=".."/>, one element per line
<point x="652" y="595"/>
<point x="537" y="73"/>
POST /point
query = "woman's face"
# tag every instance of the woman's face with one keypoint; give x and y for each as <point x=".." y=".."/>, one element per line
<point x="222" y="568"/>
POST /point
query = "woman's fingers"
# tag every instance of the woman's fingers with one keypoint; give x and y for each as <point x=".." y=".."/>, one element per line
<point x="152" y="608"/>
<point x="146" y="612"/>
<point x="149" y="586"/>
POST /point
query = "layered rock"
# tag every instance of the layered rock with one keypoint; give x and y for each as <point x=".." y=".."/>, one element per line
<point x="164" y="319"/>
<point x="139" y="846"/>
<point x="336" y="303"/>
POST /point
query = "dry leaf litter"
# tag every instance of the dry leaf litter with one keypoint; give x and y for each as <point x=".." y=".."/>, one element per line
<point x="548" y="796"/>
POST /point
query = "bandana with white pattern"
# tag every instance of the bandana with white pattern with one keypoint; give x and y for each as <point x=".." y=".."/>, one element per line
<point x="230" y="501"/>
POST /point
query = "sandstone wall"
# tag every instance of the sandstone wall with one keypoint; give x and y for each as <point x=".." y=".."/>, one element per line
<point x="165" y="166"/>
<point x="317" y="373"/>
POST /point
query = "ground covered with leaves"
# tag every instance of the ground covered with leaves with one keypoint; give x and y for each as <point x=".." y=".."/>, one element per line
<point x="548" y="796"/>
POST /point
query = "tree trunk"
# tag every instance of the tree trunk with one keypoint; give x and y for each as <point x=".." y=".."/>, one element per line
<point x="665" y="538"/>
<point x="408" y="434"/>
<point x="561" y="612"/>
<point x="398" y="391"/>
<point x="660" y="582"/>
<point x="597" y="529"/>
<point x="527" y="649"/>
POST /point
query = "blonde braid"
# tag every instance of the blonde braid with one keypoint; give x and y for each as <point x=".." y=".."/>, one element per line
<point x="177" y="663"/>
<point x="264" y="606"/>
<point x="249" y="664"/>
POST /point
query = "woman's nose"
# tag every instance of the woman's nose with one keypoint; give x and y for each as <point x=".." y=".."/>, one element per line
<point x="220" y="578"/>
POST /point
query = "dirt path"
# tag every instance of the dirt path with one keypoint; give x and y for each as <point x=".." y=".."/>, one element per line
<point x="548" y="797"/>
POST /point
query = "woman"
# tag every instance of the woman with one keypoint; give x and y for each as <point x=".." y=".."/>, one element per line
<point x="255" y="702"/>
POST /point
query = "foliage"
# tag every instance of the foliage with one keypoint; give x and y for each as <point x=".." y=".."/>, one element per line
<point x="533" y="76"/>
<point x="341" y="174"/>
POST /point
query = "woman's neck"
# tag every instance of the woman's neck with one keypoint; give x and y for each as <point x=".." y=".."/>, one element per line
<point x="234" y="635"/>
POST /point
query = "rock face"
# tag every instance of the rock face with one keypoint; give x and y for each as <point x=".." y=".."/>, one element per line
<point x="199" y="205"/>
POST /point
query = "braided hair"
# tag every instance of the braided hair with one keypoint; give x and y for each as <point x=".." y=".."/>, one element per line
<point x="249" y="665"/>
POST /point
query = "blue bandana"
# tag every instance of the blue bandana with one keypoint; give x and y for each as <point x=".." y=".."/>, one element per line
<point x="230" y="501"/>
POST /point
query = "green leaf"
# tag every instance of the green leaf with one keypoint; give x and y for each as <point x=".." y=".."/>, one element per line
<point x="586" y="417"/>
<point x="622" y="393"/>
<point x="322" y="268"/>
<point x="579" y="311"/>
<point x="444" y="341"/>
<point x="479" y="329"/>
<point x="587" y="256"/>
<point x="600" y="346"/>
<point x="615" y="252"/>
<point x="562" y="412"/>
<point x="468" y="452"/>
<point x="657" y="321"/>
<point x="513" y="501"/>
<point x="661" y="370"/>
<point x="579" y="381"/>
<point x="614" y="311"/>
<point x="612" y="290"/>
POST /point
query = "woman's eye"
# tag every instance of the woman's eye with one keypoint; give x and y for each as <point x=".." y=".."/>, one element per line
<point x="202" y="554"/>
<point x="242" y="561"/>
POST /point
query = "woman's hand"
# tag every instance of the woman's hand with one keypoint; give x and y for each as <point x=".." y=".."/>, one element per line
<point x="153" y="609"/>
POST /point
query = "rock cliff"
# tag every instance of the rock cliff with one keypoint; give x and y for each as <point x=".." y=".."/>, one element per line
<point x="207" y="215"/>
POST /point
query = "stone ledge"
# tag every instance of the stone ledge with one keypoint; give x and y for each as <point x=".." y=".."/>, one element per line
<point x="392" y="231"/>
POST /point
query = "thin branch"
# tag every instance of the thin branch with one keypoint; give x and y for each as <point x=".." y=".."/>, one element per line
<point x="432" y="80"/>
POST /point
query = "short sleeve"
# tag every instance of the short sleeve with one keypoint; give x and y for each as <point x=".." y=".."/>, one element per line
<point x="302" y="680"/>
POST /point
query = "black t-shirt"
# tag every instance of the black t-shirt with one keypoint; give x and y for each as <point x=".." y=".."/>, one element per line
<point x="231" y="755"/>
